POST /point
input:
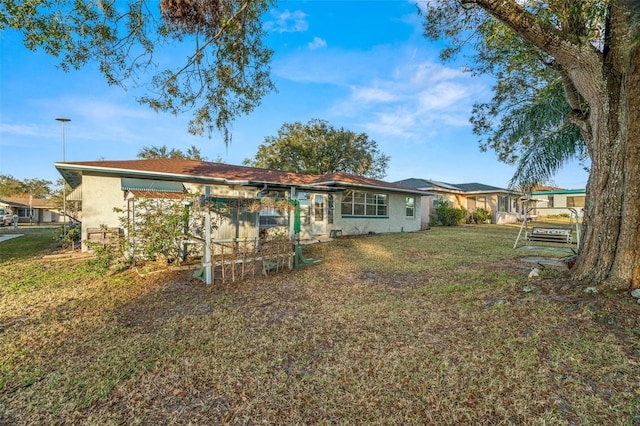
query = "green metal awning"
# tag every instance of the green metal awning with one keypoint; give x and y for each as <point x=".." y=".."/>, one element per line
<point x="133" y="184"/>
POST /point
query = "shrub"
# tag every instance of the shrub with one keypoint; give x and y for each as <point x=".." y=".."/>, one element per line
<point x="158" y="228"/>
<point x="449" y="216"/>
<point x="69" y="238"/>
<point x="480" y="215"/>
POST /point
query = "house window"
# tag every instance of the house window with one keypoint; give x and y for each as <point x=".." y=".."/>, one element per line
<point x="504" y="203"/>
<point x="271" y="216"/>
<point x="357" y="203"/>
<point x="549" y="200"/>
<point x="476" y="202"/>
<point x="575" y="201"/>
<point x="330" y="208"/>
<point x="273" y="212"/>
<point x="318" y="208"/>
<point x="471" y="203"/>
<point x="23" y="213"/>
<point x="410" y="206"/>
<point x="304" y="199"/>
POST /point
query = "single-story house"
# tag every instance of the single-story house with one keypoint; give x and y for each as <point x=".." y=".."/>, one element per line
<point x="37" y="211"/>
<point x="501" y="202"/>
<point x="331" y="204"/>
<point x="556" y="201"/>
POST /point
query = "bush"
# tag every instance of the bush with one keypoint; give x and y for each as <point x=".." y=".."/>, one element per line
<point x="69" y="238"/>
<point x="449" y="216"/>
<point x="480" y="215"/>
<point x="105" y="256"/>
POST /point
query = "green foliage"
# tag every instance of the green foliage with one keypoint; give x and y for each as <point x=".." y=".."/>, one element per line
<point x="537" y="134"/>
<point x="9" y="186"/>
<point x="192" y="153"/>
<point x="318" y="148"/>
<point x="225" y="73"/>
<point x="158" y="228"/>
<point x="106" y="255"/>
<point x="69" y="238"/>
<point x="449" y="216"/>
<point x="480" y="215"/>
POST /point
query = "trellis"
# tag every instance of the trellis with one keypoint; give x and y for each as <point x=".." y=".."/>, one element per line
<point x="230" y="260"/>
<point x="236" y="259"/>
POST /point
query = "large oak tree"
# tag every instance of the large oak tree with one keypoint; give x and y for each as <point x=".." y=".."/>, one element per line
<point x="318" y="148"/>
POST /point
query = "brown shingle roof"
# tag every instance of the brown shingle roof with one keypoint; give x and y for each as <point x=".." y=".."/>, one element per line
<point x="198" y="169"/>
<point x="178" y="168"/>
<point x="22" y="201"/>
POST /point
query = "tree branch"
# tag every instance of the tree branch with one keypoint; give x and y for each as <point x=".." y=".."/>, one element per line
<point x="574" y="57"/>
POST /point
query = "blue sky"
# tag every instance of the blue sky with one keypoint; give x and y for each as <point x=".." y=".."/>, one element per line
<point x="361" y="64"/>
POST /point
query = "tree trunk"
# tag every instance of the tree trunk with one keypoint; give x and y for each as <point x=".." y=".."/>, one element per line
<point x="610" y="247"/>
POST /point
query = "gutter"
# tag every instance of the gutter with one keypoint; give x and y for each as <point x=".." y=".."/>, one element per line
<point x="379" y="188"/>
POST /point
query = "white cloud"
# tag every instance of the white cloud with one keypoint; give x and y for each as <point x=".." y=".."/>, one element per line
<point x="317" y="43"/>
<point x="412" y="99"/>
<point x="287" y="22"/>
<point x="372" y="94"/>
<point x="22" y="130"/>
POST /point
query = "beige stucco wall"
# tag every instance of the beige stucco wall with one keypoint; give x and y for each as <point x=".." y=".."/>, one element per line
<point x="397" y="220"/>
<point x="100" y="195"/>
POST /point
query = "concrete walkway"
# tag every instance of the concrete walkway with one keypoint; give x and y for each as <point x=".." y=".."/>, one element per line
<point x="9" y="236"/>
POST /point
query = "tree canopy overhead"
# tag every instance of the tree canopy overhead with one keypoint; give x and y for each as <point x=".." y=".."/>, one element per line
<point x="225" y="73"/>
<point x="318" y="148"/>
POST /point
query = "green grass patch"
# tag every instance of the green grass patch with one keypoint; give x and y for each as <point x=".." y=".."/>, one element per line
<point x="34" y="242"/>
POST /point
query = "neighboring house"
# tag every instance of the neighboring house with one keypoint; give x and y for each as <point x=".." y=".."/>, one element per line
<point x="337" y="203"/>
<point x="37" y="211"/>
<point x="502" y="203"/>
<point x="556" y="201"/>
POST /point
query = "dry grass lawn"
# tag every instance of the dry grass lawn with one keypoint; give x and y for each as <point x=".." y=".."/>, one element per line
<point x="423" y="328"/>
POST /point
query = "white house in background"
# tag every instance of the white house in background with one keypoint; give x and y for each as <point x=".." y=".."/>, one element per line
<point x="557" y="201"/>
<point x="332" y="204"/>
<point x="501" y="202"/>
<point x="36" y="211"/>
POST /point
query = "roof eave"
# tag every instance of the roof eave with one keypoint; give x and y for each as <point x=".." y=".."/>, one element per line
<point x="376" y="187"/>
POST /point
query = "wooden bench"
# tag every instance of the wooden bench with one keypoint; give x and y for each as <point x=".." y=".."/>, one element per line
<point x="550" y="235"/>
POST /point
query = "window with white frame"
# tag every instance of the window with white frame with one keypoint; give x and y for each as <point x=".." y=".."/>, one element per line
<point x="438" y="199"/>
<point x="304" y="198"/>
<point x="330" y="208"/>
<point x="368" y="204"/>
<point x="504" y="203"/>
<point x="410" y="210"/>
<point x="318" y="208"/>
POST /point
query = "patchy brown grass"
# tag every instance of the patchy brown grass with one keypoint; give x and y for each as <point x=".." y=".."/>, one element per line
<point x="425" y="328"/>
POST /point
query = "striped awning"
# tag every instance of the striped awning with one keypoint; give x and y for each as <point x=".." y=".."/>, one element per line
<point x="133" y="184"/>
